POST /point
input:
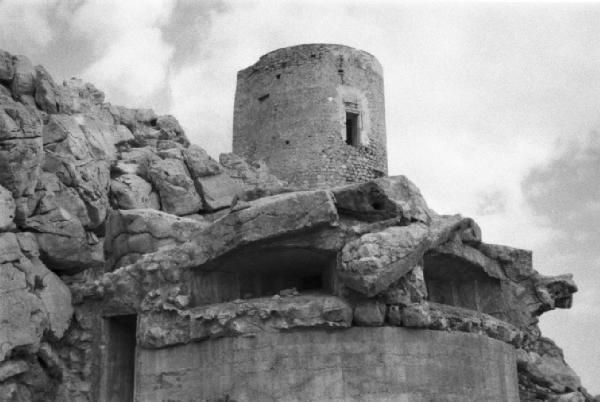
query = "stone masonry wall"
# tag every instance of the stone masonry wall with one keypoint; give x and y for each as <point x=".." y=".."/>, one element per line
<point x="290" y="112"/>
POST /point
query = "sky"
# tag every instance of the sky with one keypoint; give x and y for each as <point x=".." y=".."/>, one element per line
<point x="492" y="109"/>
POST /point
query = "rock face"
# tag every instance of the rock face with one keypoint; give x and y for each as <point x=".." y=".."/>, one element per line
<point x="117" y="235"/>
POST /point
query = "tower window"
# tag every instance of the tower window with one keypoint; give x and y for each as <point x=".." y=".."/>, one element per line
<point x="352" y="129"/>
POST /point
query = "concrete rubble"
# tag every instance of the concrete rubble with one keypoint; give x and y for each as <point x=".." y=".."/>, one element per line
<point x="107" y="211"/>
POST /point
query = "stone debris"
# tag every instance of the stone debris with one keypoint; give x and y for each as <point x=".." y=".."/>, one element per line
<point x="111" y="221"/>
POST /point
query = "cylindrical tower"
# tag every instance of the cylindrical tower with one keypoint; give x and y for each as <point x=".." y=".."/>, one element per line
<point x="314" y="113"/>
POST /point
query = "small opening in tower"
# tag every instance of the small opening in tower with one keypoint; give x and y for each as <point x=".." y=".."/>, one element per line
<point x="278" y="76"/>
<point x="262" y="98"/>
<point x="352" y="129"/>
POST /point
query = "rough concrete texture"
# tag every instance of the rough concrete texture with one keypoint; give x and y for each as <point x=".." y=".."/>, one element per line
<point x="118" y="239"/>
<point x="375" y="364"/>
<point x="291" y="106"/>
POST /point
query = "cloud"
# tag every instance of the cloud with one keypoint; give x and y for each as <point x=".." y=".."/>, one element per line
<point x="132" y="57"/>
<point x="24" y="25"/>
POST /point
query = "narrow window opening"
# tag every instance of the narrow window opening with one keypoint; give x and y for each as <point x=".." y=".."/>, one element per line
<point x="120" y="368"/>
<point x="278" y="76"/>
<point x="262" y="98"/>
<point x="352" y="129"/>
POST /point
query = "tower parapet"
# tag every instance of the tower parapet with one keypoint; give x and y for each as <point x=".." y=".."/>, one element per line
<point x="314" y="113"/>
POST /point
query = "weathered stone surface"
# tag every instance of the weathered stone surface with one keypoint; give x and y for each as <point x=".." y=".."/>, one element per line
<point x="244" y="318"/>
<point x="370" y="313"/>
<point x="131" y="233"/>
<point x="442" y="317"/>
<point x="21" y="149"/>
<point x="12" y="368"/>
<point x="136" y="161"/>
<point x="409" y="289"/>
<point x="64" y="244"/>
<point x="7" y="209"/>
<point x="51" y="194"/>
<point x="23" y="79"/>
<point x="49" y="97"/>
<point x="7" y="70"/>
<point x="217" y="191"/>
<point x="545" y="367"/>
<point x="130" y="191"/>
<point x="90" y="178"/>
<point x="199" y="163"/>
<point x="171" y="130"/>
<point x="354" y="364"/>
<point x="176" y="189"/>
<point x="373" y="262"/>
<point x="33" y="301"/>
<point x="384" y="198"/>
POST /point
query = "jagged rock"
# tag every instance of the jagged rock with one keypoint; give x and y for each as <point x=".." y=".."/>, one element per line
<point x="130" y="191"/>
<point x="12" y="368"/>
<point x="7" y="70"/>
<point x="131" y="233"/>
<point x="545" y="366"/>
<point x="176" y="189"/>
<point x="64" y="244"/>
<point x="243" y="318"/>
<point x="217" y="191"/>
<point x="21" y="151"/>
<point x="84" y="97"/>
<point x="407" y="290"/>
<point x="199" y="163"/>
<point x="22" y="313"/>
<point x="51" y="194"/>
<point x="373" y="262"/>
<point x="7" y="209"/>
<point x="569" y="397"/>
<point x="428" y="315"/>
<point x="24" y="76"/>
<point x="369" y="313"/>
<point x="136" y="161"/>
<point x="171" y="130"/>
<point x="384" y="198"/>
<point x="554" y="291"/>
<point x="90" y="178"/>
<point x="49" y="97"/>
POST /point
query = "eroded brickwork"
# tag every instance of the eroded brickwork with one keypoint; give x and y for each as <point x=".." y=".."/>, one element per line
<point x="290" y="111"/>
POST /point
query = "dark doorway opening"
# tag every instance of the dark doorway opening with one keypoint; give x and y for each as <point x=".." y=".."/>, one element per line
<point x="120" y="361"/>
<point x="352" y="129"/>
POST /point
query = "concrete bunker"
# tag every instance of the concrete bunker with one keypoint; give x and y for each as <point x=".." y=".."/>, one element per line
<point x="119" y="368"/>
<point x="263" y="272"/>
<point x="454" y="281"/>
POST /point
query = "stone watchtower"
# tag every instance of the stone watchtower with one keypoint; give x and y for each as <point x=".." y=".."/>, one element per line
<point x="314" y="113"/>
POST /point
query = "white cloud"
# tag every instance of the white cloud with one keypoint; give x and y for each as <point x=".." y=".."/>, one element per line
<point x="24" y="26"/>
<point x="133" y="58"/>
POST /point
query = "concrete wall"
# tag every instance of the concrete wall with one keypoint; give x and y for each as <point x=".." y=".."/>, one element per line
<point x="290" y="111"/>
<point x="357" y="364"/>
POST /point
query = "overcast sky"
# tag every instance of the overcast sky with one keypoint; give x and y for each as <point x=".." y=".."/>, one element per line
<point x="492" y="109"/>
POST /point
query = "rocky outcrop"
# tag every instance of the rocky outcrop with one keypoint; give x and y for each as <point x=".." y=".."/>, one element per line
<point x="109" y="217"/>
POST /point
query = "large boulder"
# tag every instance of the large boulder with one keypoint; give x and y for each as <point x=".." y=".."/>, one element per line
<point x="33" y="301"/>
<point x="199" y="163"/>
<point x="50" y="97"/>
<point x="64" y="244"/>
<point x="7" y="209"/>
<point x="218" y="191"/>
<point x="132" y="233"/>
<point x="23" y="83"/>
<point x="176" y="189"/>
<point x="130" y="191"/>
<point x="7" y="71"/>
<point x="372" y="263"/>
<point x="21" y="150"/>
<point x="385" y="198"/>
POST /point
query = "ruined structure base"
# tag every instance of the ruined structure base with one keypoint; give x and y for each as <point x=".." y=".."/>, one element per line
<point x="356" y="364"/>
